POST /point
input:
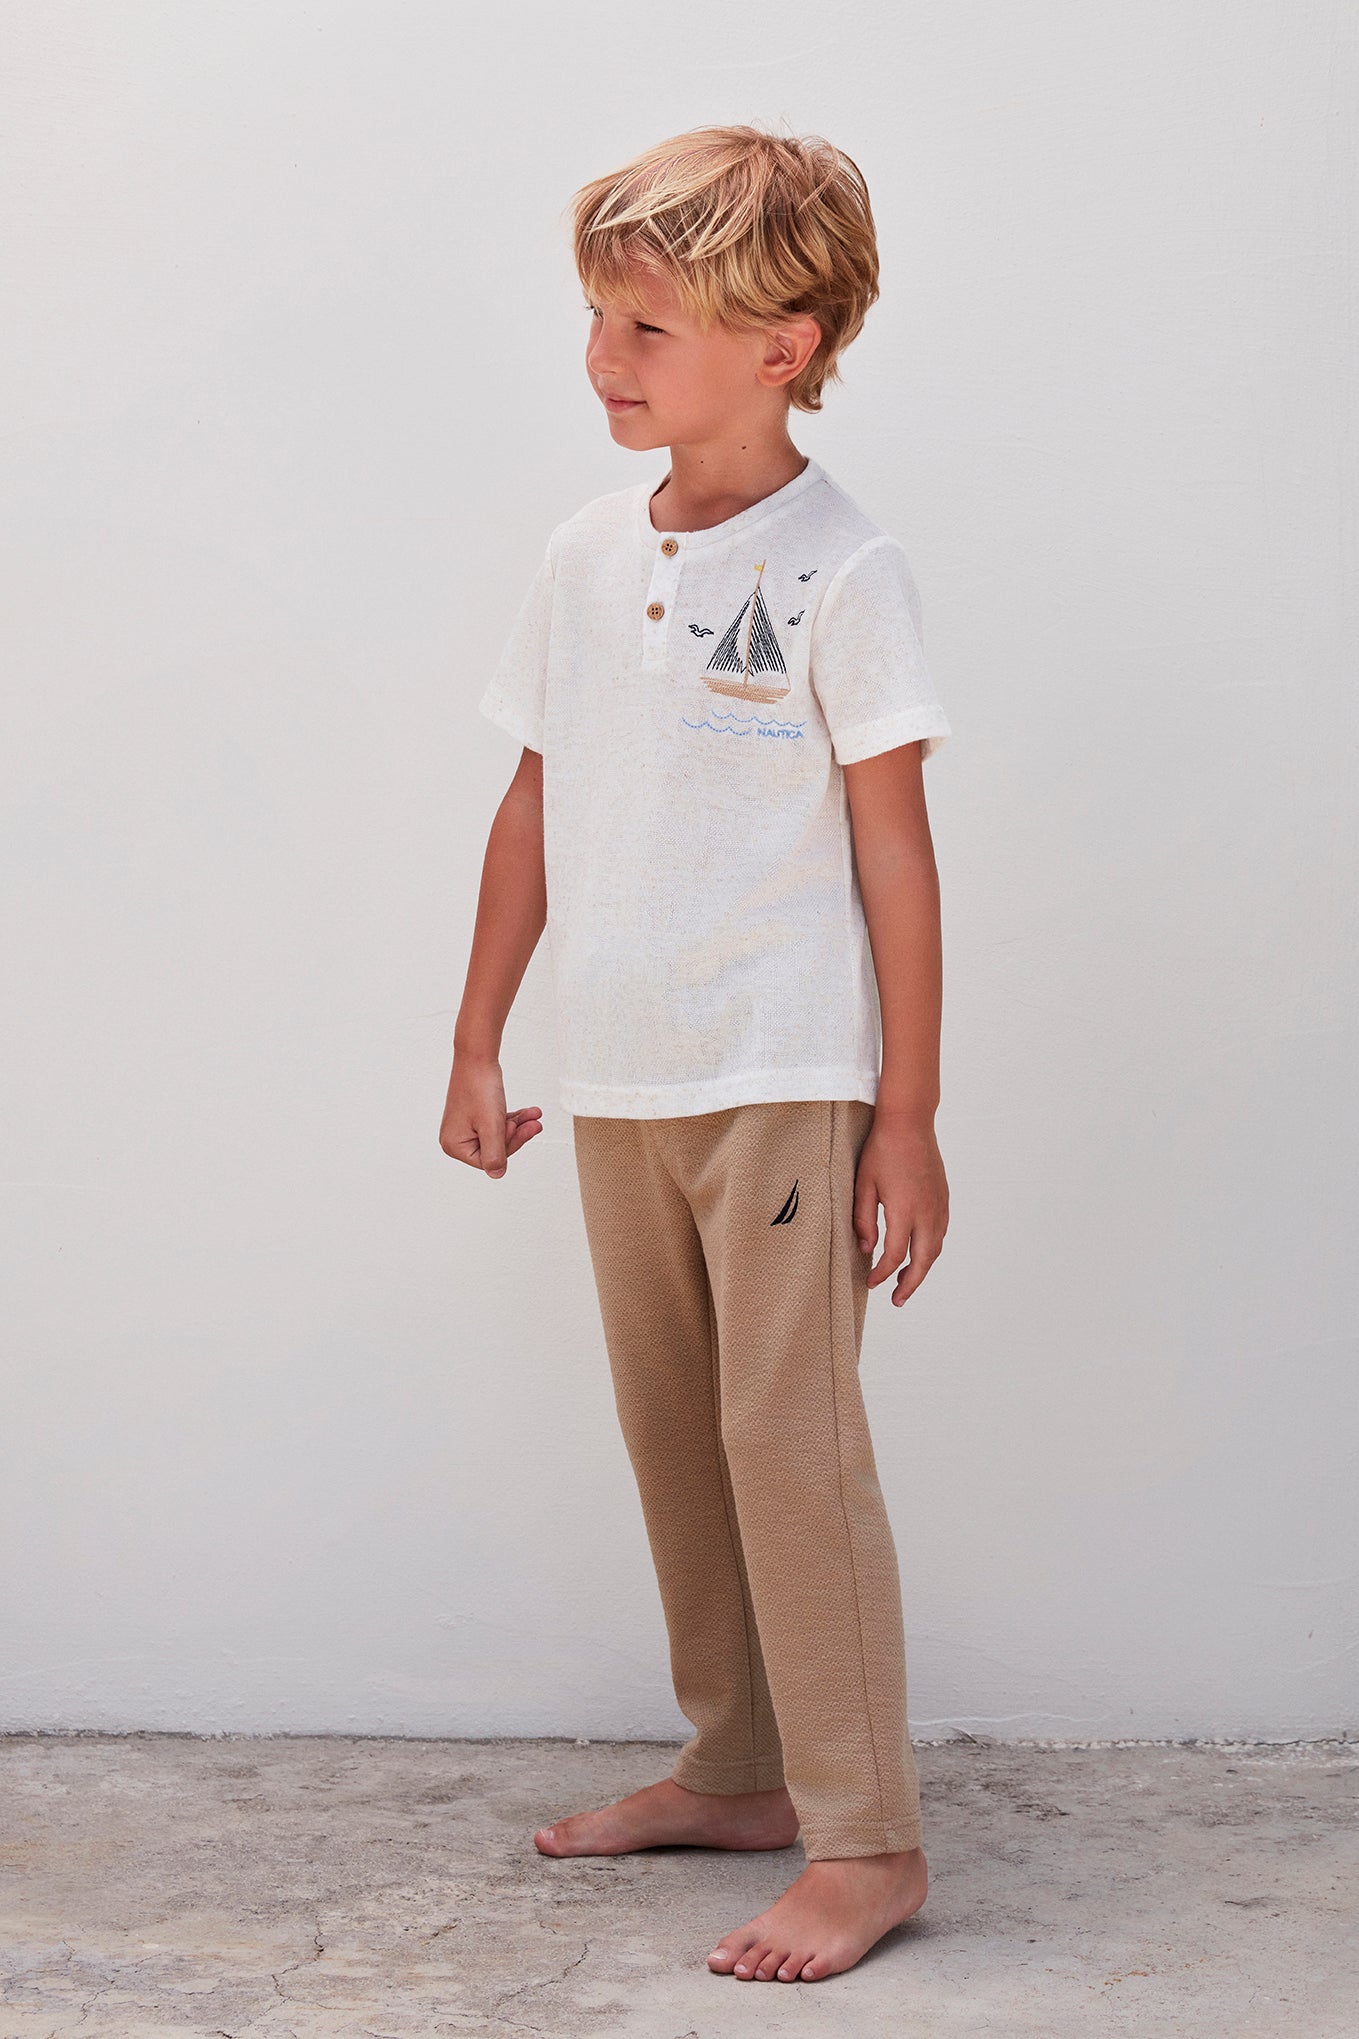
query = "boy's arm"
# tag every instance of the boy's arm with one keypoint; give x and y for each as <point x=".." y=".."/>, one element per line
<point x="900" y="1166"/>
<point x="511" y="915"/>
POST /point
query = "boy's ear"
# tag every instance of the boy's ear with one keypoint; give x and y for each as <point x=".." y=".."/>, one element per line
<point x="789" y="346"/>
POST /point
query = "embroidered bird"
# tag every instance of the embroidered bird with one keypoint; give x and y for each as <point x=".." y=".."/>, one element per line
<point x="700" y="630"/>
<point x="808" y="576"/>
<point x="799" y="616"/>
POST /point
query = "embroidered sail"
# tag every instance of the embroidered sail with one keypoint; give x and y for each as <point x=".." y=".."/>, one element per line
<point x="748" y="650"/>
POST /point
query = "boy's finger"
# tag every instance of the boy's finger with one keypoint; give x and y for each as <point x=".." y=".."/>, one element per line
<point x="894" y="1248"/>
<point x="924" y="1252"/>
<point x="866" y="1213"/>
<point x="491" y="1140"/>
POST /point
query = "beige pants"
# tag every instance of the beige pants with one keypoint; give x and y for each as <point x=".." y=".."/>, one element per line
<point x="733" y="1292"/>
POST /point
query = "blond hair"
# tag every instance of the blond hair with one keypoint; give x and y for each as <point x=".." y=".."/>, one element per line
<point x="749" y="228"/>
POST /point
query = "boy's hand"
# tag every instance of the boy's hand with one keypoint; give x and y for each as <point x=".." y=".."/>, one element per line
<point x="900" y="1167"/>
<point x="476" y="1127"/>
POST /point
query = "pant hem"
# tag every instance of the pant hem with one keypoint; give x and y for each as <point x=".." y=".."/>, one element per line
<point x="762" y="1773"/>
<point x="836" y="1847"/>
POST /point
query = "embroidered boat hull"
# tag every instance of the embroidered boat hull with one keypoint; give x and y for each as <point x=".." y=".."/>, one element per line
<point x="739" y="690"/>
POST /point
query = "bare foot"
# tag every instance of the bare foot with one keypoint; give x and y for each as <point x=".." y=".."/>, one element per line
<point x="825" y="1921"/>
<point x="667" y="1815"/>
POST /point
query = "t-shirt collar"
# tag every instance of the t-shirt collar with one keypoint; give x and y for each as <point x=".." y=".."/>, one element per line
<point x="731" y="527"/>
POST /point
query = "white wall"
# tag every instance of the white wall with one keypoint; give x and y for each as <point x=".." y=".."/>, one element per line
<point x="308" y="1427"/>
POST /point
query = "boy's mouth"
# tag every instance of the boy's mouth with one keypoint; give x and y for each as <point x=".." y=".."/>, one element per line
<point x="622" y="403"/>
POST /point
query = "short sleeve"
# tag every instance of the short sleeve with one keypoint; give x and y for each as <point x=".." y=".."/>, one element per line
<point x="868" y="665"/>
<point x="515" y="697"/>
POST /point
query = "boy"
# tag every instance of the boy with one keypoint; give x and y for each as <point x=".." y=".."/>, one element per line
<point x="718" y="815"/>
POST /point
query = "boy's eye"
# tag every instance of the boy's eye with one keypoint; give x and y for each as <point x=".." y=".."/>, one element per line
<point x="595" y="313"/>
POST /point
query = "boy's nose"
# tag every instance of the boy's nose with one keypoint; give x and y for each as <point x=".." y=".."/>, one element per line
<point x="599" y="358"/>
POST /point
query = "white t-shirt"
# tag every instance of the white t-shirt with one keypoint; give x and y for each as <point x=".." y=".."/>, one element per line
<point x="694" y="695"/>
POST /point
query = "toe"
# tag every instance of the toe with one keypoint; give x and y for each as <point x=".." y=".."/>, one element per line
<point x="749" y="1962"/>
<point x="728" y="1952"/>
<point x="740" y="1949"/>
<point x="556" y="1839"/>
<point x="791" y="1969"/>
<point x="770" y="1965"/>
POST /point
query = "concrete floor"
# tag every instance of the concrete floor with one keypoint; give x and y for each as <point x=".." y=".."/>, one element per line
<point x="158" y="1886"/>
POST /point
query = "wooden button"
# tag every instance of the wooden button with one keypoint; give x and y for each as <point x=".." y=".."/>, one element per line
<point x="669" y="546"/>
<point x="655" y="610"/>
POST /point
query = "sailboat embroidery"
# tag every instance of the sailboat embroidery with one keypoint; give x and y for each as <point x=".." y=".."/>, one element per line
<point x="749" y="647"/>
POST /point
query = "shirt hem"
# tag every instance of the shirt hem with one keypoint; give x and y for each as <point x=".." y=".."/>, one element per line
<point x="506" y="716"/>
<point x="889" y="732"/>
<point x="712" y="1094"/>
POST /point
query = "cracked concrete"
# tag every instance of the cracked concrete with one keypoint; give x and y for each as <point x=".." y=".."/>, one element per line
<point x="153" y="1887"/>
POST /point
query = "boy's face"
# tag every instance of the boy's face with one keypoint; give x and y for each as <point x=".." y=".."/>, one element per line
<point x="685" y="386"/>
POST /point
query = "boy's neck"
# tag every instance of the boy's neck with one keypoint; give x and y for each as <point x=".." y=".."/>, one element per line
<point x="707" y="485"/>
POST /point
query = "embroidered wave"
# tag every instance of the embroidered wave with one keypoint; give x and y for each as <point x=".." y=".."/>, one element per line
<point x="717" y="728"/>
<point x="730" y="714"/>
<point x="788" y="732"/>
